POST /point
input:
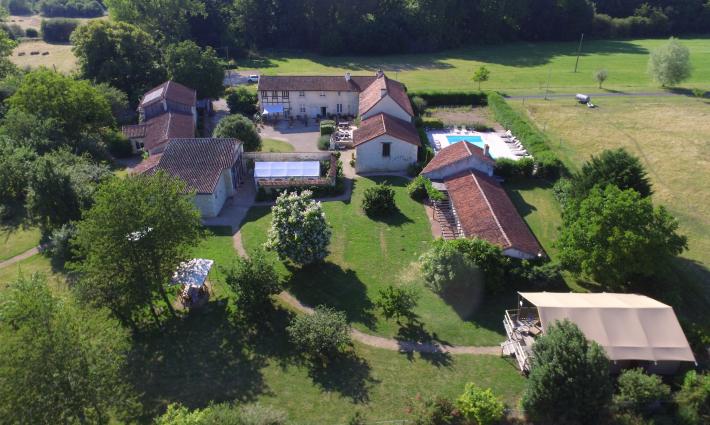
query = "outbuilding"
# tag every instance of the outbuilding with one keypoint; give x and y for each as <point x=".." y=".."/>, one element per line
<point x="384" y="143"/>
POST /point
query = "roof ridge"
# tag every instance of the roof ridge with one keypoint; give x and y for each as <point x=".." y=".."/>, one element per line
<point x="465" y="143"/>
<point x="493" y="213"/>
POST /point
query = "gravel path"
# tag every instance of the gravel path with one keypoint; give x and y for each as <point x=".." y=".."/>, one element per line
<point x="20" y="257"/>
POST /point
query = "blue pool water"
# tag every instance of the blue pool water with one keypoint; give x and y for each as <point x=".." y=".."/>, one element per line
<point x="476" y="140"/>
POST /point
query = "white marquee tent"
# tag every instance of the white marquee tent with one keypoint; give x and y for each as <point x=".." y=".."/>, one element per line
<point x="266" y="170"/>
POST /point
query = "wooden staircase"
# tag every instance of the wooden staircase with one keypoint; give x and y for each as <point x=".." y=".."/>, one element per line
<point x="445" y="215"/>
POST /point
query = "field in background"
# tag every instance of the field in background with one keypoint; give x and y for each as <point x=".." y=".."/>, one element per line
<point x="515" y="68"/>
<point x="60" y="56"/>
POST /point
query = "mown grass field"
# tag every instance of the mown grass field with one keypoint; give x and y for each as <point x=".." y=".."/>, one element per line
<point x="515" y="68"/>
<point x="60" y="56"/>
<point x="16" y="240"/>
<point x="273" y="145"/>
<point x="367" y="255"/>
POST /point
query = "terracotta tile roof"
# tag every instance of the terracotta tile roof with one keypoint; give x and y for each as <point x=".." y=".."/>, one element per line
<point x="380" y="124"/>
<point x="373" y="93"/>
<point x="134" y="131"/>
<point x="170" y="90"/>
<point x="167" y="126"/>
<point x="454" y="153"/>
<point x="199" y="162"/>
<point x="147" y="164"/>
<point x="314" y="83"/>
<point x="485" y="211"/>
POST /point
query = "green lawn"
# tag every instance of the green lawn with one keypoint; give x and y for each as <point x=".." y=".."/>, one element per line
<point x="367" y="255"/>
<point x="515" y="67"/>
<point x="35" y="264"/>
<point x="209" y="357"/>
<point x="16" y="240"/>
<point x="273" y="145"/>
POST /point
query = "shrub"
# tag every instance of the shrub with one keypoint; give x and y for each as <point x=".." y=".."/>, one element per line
<point x="549" y="166"/>
<point x="453" y="98"/>
<point x="670" y="63"/>
<point x="417" y="188"/>
<point x="487" y="257"/>
<point x="600" y="76"/>
<point x="443" y="267"/>
<point x="479" y="405"/>
<point x="378" y="200"/>
<point x="58" y="245"/>
<point x="397" y="303"/>
<point x="253" y="280"/>
<point x="327" y="127"/>
<point x="483" y="128"/>
<point x="638" y="391"/>
<point x="58" y="30"/>
<point x="434" y="411"/>
<point x="118" y="145"/>
<point x="239" y="127"/>
<point x="562" y="191"/>
<point x="418" y="104"/>
<point x="693" y="399"/>
<point x="242" y="101"/>
<point x="299" y="231"/>
<point x="322" y="334"/>
<point x="569" y="378"/>
<point x="324" y="142"/>
<point x="434" y="123"/>
<point x="19" y="7"/>
<point x="512" y="169"/>
<point x="14" y="31"/>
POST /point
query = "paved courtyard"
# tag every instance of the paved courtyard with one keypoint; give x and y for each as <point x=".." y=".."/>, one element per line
<point x="303" y="138"/>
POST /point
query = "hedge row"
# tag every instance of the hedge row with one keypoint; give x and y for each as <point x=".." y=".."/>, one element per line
<point x="58" y="30"/>
<point x="454" y="98"/>
<point x="327" y="127"/>
<point x="535" y="141"/>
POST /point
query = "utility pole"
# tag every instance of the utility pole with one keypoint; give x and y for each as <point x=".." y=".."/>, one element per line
<point x="547" y="89"/>
<point x="579" y="51"/>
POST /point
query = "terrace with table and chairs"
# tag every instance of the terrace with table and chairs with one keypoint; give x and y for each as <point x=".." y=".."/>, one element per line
<point x="342" y="138"/>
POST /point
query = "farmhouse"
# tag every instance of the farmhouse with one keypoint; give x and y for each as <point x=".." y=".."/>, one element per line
<point x="634" y="330"/>
<point x="166" y="112"/>
<point x="210" y="167"/>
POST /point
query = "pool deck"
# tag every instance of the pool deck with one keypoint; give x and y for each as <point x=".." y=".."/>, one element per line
<point x="498" y="147"/>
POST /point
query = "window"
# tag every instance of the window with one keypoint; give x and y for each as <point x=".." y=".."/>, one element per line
<point x="322" y="93"/>
<point x="284" y="94"/>
<point x="386" y="150"/>
<point x="264" y="93"/>
<point x="274" y="94"/>
<point x="338" y="93"/>
<point x="302" y="108"/>
<point x="339" y="108"/>
<point x="301" y="93"/>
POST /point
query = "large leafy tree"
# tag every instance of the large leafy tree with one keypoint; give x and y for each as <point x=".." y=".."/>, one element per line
<point x="299" y="231"/>
<point x="614" y="235"/>
<point x="59" y="362"/>
<point x="239" y="127"/>
<point x="194" y="67"/>
<point x="617" y="167"/>
<point x="253" y="280"/>
<point x="15" y="170"/>
<point x="165" y="20"/>
<point x="74" y="107"/>
<point x="321" y="335"/>
<point x="119" y="54"/>
<point x="670" y="63"/>
<point x="569" y="378"/>
<point x="132" y="240"/>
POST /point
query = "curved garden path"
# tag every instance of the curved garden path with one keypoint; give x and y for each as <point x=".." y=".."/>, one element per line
<point x="17" y="258"/>
<point x="373" y="340"/>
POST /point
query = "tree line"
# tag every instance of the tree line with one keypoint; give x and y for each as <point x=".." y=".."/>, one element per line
<point x="396" y="26"/>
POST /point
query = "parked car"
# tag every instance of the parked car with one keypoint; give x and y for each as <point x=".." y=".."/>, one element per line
<point x="253" y="78"/>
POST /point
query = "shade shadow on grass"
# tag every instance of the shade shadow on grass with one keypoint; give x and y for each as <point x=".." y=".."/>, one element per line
<point x="414" y="333"/>
<point x="330" y="285"/>
<point x="346" y="374"/>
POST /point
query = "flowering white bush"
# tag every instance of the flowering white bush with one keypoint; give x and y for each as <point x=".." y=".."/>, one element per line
<point x="298" y="231"/>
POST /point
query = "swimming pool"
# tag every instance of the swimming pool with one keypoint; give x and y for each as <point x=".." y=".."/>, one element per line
<point x="476" y="140"/>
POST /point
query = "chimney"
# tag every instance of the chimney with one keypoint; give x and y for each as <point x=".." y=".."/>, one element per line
<point x="383" y="92"/>
<point x="347" y="76"/>
<point x="380" y="73"/>
<point x="486" y="150"/>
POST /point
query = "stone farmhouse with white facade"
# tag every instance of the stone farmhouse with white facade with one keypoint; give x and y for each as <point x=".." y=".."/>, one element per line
<point x="386" y="140"/>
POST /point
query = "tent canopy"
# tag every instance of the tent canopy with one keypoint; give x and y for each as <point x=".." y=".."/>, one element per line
<point x="287" y="169"/>
<point x="628" y="326"/>
<point x="276" y="108"/>
<point x="192" y="273"/>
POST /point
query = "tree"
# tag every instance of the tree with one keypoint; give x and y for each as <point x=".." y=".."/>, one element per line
<point x="693" y="399"/>
<point x="638" y="391"/>
<point x="487" y="257"/>
<point x="60" y="186"/>
<point x="670" y="63"/>
<point x="74" y="107"/>
<point x="6" y="47"/>
<point x="322" y="334"/>
<point x="15" y="171"/>
<point x="443" y="267"/>
<point x="222" y="414"/>
<point x="569" y="377"/>
<point x="617" y="167"/>
<point x="132" y="240"/>
<point x="119" y="54"/>
<point x="600" y="76"/>
<point x="614" y="235"/>
<point x="59" y="362"/>
<point x="200" y="69"/>
<point x="480" y="406"/>
<point x="397" y="303"/>
<point x="239" y="127"/>
<point x="299" y="231"/>
<point x="166" y="21"/>
<point x="116" y="98"/>
<point x="481" y="76"/>
<point x="378" y="200"/>
<point x="419" y="105"/>
<point x="242" y="101"/>
<point x="254" y="281"/>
